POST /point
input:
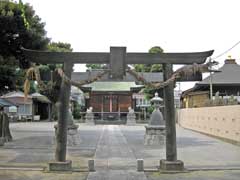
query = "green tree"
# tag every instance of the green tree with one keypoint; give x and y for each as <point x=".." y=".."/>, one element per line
<point x="96" y="66"/>
<point x="150" y="67"/>
<point x="59" y="47"/>
<point x="19" y="27"/>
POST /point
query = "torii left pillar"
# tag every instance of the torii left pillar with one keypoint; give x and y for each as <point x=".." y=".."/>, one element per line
<point x="61" y="164"/>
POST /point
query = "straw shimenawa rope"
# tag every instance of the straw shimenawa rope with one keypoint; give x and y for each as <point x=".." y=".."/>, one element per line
<point x="33" y="73"/>
<point x="185" y="71"/>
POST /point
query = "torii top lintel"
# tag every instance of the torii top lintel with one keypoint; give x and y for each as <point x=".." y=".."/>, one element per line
<point x="46" y="57"/>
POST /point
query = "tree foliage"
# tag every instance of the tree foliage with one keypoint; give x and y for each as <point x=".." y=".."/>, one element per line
<point x="19" y="27"/>
<point x="59" y="47"/>
<point x="96" y="66"/>
<point x="150" y="67"/>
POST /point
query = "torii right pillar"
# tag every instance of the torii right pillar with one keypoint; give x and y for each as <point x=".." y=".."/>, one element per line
<point x="170" y="163"/>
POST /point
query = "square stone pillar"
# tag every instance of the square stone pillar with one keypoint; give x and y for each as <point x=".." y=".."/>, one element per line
<point x="117" y="62"/>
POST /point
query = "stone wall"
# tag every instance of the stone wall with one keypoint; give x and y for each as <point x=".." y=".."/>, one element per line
<point x="221" y="121"/>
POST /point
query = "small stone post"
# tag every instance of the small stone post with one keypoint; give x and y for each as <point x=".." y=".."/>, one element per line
<point x="91" y="165"/>
<point x="140" y="165"/>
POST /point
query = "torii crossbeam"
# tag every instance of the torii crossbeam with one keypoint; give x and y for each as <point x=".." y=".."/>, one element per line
<point x="118" y="58"/>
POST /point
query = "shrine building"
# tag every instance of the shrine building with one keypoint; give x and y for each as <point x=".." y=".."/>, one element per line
<point x="111" y="99"/>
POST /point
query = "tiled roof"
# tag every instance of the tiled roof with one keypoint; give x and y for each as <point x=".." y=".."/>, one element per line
<point x="229" y="75"/>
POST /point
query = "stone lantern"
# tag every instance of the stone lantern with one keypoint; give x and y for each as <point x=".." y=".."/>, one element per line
<point x="72" y="129"/>
<point x="155" y="130"/>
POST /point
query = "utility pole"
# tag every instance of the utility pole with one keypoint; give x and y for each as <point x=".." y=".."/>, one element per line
<point x="211" y="86"/>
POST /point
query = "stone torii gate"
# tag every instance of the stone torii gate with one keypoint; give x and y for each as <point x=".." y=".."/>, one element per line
<point x="117" y="59"/>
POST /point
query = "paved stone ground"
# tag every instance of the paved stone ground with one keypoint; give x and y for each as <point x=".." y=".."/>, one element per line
<point x="34" y="145"/>
<point x="198" y="175"/>
<point x="115" y="150"/>
<point x="39" y="175"/>
<point x="195" y="149"/>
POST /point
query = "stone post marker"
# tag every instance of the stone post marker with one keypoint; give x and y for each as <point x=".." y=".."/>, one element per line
<point x="131" y="117"/>
<point x="155" y="130"/>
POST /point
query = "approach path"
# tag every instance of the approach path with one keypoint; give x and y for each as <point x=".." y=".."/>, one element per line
<point x="114" y="158"/>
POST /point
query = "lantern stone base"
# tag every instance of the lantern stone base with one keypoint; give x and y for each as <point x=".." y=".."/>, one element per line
<point x="154" y="135"/>
<point x="69" y="127"/>
<point x="72" y="130"/>
<point x="175" y="166"/>
<point x="60" y="166"/>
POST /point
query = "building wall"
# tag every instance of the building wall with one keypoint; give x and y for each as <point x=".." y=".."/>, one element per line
<point x="24" y="106"/>
<point x="117" y="102"/>
<point x="221" y="121"/>
<point x="25" y="109"/>
<point x="197" y="100"/>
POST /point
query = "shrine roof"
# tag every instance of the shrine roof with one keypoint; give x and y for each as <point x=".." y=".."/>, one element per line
<point x="112" y="86"/>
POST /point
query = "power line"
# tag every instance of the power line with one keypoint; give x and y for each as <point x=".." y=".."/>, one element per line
<point x="226" y="51"/>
